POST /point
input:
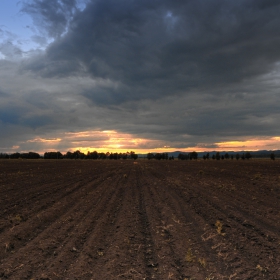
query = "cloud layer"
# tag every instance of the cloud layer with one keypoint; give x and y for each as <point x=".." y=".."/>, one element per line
<point x="178" y="73"/>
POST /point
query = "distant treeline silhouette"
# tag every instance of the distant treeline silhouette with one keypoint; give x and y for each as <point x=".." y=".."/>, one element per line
<point x="216" y="156"/>
<point x="194" y="155"/>
<point x="70" y="155"/>
<point x="159" y="156"/>
<point x="30" y="155"/>
<point x="128" y="155"/>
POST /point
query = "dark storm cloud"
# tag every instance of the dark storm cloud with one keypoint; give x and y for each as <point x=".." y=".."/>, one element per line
<point x="10" y="115"/>
<point x="38" y="121"/>
<point x="152" y="49"/>
<point x="18" y="115"/>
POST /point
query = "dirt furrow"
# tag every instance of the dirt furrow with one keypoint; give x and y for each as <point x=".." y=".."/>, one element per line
<point x="139" y="220"/>
<point x="187" y="227"/>
<point x="68" y="216"/>
<point x="210" y="212"/>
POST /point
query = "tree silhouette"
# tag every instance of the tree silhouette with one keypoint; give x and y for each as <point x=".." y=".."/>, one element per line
<point x="248" y="155"/>
<point x="218" y="157"/>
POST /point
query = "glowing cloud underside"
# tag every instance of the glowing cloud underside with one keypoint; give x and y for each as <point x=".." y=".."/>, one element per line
<point x="252" y="144"/>
<point x="42" y="140"/>
<point x="114" y="141"/>
<point x="100" y="141"/>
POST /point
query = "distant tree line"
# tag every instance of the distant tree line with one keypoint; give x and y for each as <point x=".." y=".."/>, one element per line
<point x="216" y="156"/>
<point x="128" y="155"/>
<point x="159" y="156"/>
<point x="246" y="155"/>
<point x="30" y="155"/>
<point x="96" y="155"/>
<point x="190" y="156"/>
<point x="70" y="155"/>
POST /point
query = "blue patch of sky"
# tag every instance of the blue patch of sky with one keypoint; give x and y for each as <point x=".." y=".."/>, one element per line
<point x="15" y="26"/>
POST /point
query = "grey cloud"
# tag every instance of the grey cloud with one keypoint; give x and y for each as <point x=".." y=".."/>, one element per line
<point x="10" y="45"/>
<point x="39" y="99"/>
<point x="8" y="49"/>
<point x="208" y="44"/>
<point x="243" y="109"/>
<point x="42" y="41"/>
<point x="10" y="115"/>
<point x="205" y="117"/>
<point x="102" y="96"/>
<point x="12" y="135"/>
<point x="38" y="121"/>
<point x="19" y="115"/>
<point x="3" y="94"/>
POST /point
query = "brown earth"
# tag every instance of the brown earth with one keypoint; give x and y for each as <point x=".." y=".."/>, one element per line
<point x="70" y="219"/>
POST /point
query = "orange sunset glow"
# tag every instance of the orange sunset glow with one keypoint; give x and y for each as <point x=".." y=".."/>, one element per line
<point x="251" y="144"/>
<point x="114" y="141"/>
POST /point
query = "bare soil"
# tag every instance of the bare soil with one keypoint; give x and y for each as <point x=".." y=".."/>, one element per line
<point x="75" y="219"/>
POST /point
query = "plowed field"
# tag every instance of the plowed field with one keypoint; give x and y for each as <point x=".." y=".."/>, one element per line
<point x="74" y="219"/>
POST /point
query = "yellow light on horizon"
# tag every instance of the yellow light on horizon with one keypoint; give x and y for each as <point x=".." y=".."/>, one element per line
<point x="114" y="141"/>
<point x="251" y="144"/>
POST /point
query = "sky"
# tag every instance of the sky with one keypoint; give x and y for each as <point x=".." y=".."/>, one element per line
<point x="141" y="75"/>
